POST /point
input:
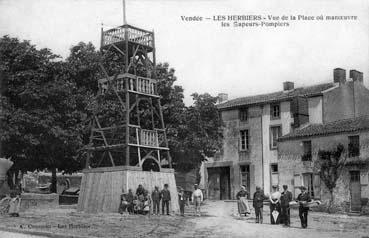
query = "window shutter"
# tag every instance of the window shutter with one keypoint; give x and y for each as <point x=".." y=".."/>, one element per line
<point x="316" y="184"/>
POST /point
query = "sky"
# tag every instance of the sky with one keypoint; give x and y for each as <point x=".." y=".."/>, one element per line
<point x="208" y="57"/>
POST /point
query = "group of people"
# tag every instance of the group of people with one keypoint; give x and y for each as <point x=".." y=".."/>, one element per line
<point x="141" y="202"/>
<point x="279" y="205"/>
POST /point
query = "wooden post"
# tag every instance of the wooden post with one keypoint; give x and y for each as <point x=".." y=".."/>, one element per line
<point x="127" y="124"/>
<point x="165" y="136"/>
<point x="124" y="13"/>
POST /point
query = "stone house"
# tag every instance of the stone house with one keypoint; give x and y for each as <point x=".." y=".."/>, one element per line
<point x="298" y="150"/>
<point x="253" y="124"/>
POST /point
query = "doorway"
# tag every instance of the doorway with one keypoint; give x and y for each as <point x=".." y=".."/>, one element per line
<point x="219" y="183"/>
<point x="355" y="190"/>
<point x="245" y="177"/>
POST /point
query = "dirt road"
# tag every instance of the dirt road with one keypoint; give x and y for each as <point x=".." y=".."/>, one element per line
<point x="220" y="220"/>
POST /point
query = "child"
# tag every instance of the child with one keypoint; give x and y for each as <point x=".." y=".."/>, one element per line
<point x="123" y="203"/>
<point x="182" y="200"/>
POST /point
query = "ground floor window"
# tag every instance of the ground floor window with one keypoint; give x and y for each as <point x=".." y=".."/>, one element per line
<point x="274" y="176"/>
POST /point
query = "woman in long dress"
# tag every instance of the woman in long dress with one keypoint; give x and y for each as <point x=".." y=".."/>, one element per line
<point x="275" y="207"/>
<point x="243" y="205"/>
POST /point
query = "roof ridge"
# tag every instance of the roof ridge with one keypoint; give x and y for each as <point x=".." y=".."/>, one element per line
<point x="276" y="96"/>
<point x="343" y="125"/>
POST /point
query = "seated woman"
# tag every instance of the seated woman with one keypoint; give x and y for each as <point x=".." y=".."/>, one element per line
<point x="243" y="205"/>
<point x="123" y="203"/>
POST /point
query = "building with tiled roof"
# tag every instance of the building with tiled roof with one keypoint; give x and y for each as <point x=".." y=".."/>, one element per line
<point x="286" y="95"/>
<point x="299" y="149"/>
<point x="253" y="124"/>
<point x="351" y="125"/>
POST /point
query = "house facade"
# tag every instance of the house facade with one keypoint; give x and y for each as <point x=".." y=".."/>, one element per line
<point x="253" y="124"/>
<point x="298" y="150"/>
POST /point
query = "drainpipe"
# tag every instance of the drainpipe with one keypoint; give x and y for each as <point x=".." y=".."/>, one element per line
<point x="262" y="147"/>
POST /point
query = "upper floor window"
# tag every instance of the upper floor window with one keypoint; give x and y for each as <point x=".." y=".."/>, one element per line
<point x="274" y="168"/>
<point x="307" y="151"/>
<point x="354" y="146"/>
<point x="275" y="111"/>
<point x="275" y="133"/>
<point x="243" y="114"/>
<point x="244" y="140"/>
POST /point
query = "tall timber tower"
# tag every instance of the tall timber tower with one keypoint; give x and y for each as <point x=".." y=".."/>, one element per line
<point x="137" y="137"/>
<point x="129" y="146"/>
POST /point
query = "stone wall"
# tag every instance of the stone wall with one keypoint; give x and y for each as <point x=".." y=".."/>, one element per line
<point x="346" y="101"/>
<point x="291" y="165"/>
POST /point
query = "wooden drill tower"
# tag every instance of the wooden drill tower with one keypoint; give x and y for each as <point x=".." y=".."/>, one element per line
<point x="137" y="137"/>
<point x="128" y="144"/>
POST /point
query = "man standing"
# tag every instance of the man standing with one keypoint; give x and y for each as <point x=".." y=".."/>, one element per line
<point x="165" y="199"/>
<point x="286" y="198"/>
<point x="155" y="196"/>
<point x="197" y="199"/>
<point x="257" y="203"/>
<point x="303" y="199"/>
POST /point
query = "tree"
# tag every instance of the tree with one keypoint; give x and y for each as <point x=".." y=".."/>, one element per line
<point x="43" y="109"/>
<point x="330" y="164"/>
<point x="201" y="135"/>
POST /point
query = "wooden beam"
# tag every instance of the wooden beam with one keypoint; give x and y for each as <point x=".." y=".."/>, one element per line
<point x="105" y="141"/>
<point x="115" y="47"/>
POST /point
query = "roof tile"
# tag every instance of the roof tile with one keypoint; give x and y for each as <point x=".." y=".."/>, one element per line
<point x="346" y="125"/>
<point x="276" y="96"/>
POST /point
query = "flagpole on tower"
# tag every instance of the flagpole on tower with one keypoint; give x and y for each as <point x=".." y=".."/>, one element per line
<point x="124" y="13"/>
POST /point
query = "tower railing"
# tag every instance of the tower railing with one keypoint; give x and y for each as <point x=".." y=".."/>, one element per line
<point x="133" y="34"/>
<point x="135" y="84"/>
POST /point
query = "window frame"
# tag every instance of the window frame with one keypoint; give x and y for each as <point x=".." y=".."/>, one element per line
<point x="272" y="147"/>
<point x="310" y="187"/>
<point x="307" y="156"/>
<point x="272" y="116"/>
<point x="352" y="150"/>
<point x="247" y="140"/>
<point x="271" y="170"/>
<point x="241" y="112"/>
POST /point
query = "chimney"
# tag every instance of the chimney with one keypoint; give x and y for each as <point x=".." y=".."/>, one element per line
<point x="339" y="75"/>
<point x="222" y="97"/>
<point x="287" y="86"/>
<point x="356" y="75"/>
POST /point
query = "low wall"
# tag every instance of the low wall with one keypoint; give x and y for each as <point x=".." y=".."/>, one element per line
<point x="34" y="200"/>
<point x="101" y="187"/>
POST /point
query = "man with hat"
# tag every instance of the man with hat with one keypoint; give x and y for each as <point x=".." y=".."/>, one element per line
<point x="285" y="205"/>
<point x="303" y="198"/>
<point x="197" y="199"/>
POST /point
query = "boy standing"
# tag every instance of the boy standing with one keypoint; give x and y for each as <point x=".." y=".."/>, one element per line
<point x="182" y="200"/>
<point x="197" y="199"/>
<point x="155" y="196"/>
<point x="257" y="203"/>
